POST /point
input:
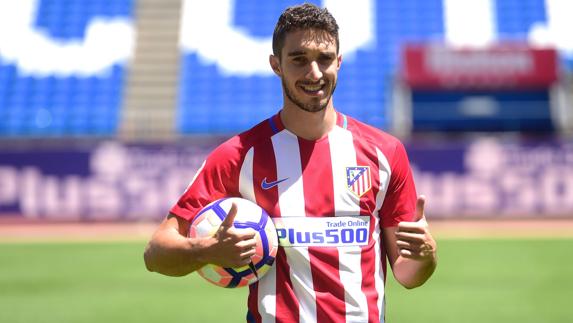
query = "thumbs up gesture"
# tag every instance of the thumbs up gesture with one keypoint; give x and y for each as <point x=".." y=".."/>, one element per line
<point x="413" y="238"/>
<point x="232" y="248"/>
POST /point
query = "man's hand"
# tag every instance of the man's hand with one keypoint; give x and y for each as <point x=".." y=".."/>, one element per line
<point x="414" y="239"/>
<point x="229" y="247"/>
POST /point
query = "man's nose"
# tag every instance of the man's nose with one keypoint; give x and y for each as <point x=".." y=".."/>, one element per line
<point x="314" y="73"/>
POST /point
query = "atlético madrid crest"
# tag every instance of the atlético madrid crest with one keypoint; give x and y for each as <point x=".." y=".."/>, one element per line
<point x="358" y="179"/>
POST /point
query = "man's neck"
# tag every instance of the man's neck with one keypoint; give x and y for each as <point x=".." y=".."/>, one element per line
<point x="308" y="125"/>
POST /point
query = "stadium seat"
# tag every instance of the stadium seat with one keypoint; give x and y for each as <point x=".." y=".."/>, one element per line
<point x="73" y="104"/>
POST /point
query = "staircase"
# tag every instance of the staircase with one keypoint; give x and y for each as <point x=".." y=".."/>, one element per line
<point x="150" y="104"/>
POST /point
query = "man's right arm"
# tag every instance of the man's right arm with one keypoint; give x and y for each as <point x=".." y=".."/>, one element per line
<point x="170" y="252"/>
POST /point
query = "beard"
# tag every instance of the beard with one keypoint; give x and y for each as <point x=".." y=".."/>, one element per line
<point x="309" y="107"/>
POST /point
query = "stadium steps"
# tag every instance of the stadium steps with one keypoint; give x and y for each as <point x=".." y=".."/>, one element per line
<point x="152" y="82"/>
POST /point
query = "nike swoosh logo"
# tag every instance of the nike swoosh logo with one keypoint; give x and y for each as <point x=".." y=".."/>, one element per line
<point x="268" y="185"/>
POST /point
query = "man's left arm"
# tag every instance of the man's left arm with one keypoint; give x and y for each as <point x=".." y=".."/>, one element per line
<point x="411" y="249"/>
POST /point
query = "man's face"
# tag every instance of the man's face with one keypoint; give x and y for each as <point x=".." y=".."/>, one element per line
<point x="308" y="69"/>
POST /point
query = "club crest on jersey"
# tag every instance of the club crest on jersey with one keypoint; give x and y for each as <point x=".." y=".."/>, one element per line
<point x="358" y="179"/>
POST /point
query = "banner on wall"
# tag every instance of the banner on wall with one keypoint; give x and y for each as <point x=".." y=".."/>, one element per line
<point x="114" y="181"/>
<point x="497" y="67"/>
<point x="109" y="181"/>
<point x="492" y="178"/>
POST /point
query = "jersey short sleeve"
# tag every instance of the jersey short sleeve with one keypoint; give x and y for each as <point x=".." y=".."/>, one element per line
<point x="400" y="200"/>
<point x="216" y="178"/>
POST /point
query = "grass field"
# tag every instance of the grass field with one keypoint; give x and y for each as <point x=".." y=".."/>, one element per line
<point x="487" y="280"/>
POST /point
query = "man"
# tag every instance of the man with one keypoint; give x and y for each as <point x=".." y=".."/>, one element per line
<point x="308" y="161"/>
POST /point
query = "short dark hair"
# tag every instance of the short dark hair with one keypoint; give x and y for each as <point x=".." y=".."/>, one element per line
<point x="304" y="16"/>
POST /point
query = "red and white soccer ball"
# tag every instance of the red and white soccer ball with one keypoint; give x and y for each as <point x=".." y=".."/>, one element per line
<point x="249" y="216"/>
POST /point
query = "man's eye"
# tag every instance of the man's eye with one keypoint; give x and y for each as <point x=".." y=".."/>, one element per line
<point x="299" y="60"/>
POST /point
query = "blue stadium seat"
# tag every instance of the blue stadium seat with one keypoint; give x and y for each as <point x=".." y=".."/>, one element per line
<point x="73" y="104"/>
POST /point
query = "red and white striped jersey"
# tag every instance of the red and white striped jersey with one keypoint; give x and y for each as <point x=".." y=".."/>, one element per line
<point x="342" y="189"/>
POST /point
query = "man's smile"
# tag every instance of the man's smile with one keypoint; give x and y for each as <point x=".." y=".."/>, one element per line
<point x="313" y="89"/>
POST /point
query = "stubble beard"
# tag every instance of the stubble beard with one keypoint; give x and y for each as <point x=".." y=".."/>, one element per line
<point x="309" y="107"/>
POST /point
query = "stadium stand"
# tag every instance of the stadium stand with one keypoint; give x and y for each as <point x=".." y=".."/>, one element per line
<point x="52" y="79"/>
<point x="217" y="85"/>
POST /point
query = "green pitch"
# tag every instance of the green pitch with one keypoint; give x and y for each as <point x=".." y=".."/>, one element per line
<point x="476" y="281"/>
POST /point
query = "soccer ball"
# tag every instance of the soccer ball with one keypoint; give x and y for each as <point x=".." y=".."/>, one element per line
<point x="249" y="216"/>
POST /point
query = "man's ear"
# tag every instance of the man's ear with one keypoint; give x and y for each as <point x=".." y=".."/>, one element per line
<point x="339" y="59"/>
<point x="275" y="64"/>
